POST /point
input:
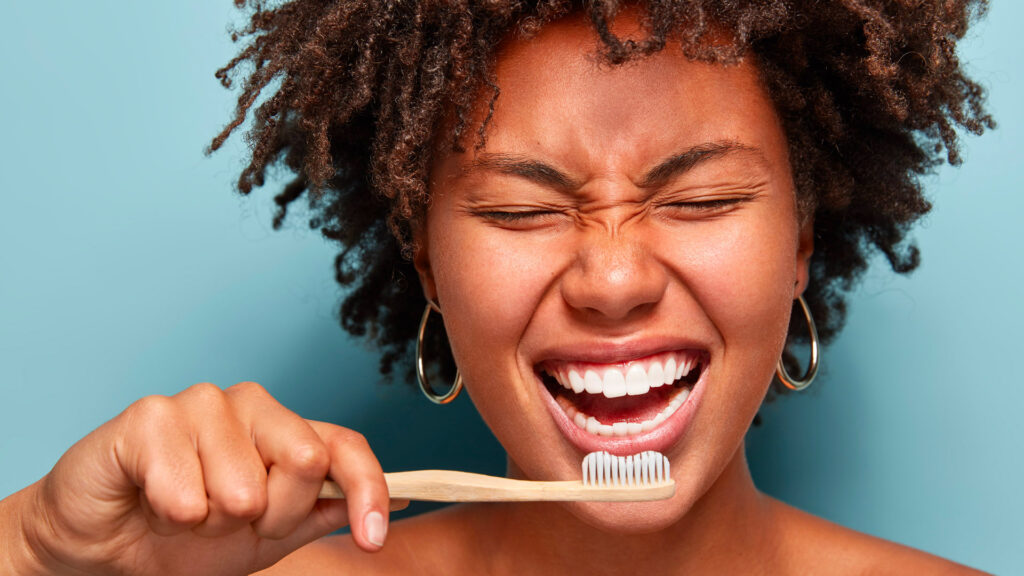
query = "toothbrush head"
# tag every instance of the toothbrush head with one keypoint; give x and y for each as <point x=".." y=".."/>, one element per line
<point x="643" y="469"/>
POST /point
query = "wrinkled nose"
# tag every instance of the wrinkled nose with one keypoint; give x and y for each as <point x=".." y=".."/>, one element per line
<point x="614" y="278"/>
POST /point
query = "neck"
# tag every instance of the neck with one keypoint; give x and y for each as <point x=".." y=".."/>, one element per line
<point x="728" y="530"/>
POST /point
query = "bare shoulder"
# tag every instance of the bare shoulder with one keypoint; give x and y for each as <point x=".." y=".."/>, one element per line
<point x="425" y="544"/>
<point x="847" y="551"/>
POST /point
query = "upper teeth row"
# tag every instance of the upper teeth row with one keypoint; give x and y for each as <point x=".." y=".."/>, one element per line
<point x="634" y="379"/>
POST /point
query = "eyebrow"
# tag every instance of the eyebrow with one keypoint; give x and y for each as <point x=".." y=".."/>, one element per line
<point x="533" y="170"/>
<point x="688" y="159"/>
<point x="547" y="175"/>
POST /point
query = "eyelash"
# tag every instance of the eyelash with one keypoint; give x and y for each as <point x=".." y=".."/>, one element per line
<point x="516" y="216"/>
<point x="707" y="205"/>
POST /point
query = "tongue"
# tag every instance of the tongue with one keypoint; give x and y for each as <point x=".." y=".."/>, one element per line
<point x="625" y="408"/>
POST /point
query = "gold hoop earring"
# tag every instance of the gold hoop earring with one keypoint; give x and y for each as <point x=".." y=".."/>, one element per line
<point x="812" y="368"/>
<point x="421" y="371"/>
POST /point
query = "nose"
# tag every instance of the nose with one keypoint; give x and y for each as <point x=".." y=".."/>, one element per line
<point x="613" y="278"/>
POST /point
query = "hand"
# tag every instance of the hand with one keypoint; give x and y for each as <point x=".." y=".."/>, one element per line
<point x="208" y="481"/>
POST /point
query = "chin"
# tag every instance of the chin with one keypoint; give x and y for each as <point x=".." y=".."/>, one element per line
<point x="629" y="518"/>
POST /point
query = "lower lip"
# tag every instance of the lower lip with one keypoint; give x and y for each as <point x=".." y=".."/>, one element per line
<point x="660" y="439"/>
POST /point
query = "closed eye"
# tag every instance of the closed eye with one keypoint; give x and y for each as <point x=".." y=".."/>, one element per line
<point x="524" y="219"/>
<point x="712" y="206"/>
<point x="515" y="216"/>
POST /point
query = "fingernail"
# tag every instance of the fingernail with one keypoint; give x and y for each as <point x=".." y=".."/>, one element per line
<point x="374" y="526"/>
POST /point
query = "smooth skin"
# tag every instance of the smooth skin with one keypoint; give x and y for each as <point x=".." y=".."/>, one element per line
<point x="561" y="233"/>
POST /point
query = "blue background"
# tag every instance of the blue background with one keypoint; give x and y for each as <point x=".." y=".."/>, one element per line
<point x="129" y="267"/>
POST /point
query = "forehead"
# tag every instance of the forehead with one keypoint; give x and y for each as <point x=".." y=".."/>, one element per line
<point x="557" y="95"/>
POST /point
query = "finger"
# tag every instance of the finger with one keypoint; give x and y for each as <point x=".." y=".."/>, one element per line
<point x="159" y="457"/>
<point x="233" y="472"/>
<point x="295" y="455"/>
<point x="356" y="470"/>
<point x="325" y="517"/>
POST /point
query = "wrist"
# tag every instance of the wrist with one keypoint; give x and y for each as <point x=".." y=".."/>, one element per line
<point x="20" y="549"/>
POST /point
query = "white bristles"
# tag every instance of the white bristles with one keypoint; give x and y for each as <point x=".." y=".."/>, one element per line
<point x="643" y="469"/>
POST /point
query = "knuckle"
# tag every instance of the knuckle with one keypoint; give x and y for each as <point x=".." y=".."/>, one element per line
<point x="186" y="510"/>
<point x="205" y="392"/>
<point x="309" y="460"/>
<point x="248" y="388"/>
<point x="245" y="503"/>
<point x="152" y="409"/>
<point x="351" y="440"/>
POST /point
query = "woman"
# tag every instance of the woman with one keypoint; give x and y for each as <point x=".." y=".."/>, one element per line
<point x="580" y="193"/>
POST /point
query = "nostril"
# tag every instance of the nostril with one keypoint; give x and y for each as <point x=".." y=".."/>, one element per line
<point x="611" y="312"/>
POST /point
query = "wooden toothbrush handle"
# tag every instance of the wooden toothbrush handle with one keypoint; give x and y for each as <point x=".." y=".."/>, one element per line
<point x="455" y="486"/>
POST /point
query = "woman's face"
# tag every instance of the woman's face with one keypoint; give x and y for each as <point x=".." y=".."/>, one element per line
<point x="616" y="266"/>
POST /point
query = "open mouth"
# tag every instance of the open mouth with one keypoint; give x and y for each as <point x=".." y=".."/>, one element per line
<point x="623" y="399"/>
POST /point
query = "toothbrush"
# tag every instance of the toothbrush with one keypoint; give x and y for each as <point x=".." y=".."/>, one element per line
<point x="606" y="478"/>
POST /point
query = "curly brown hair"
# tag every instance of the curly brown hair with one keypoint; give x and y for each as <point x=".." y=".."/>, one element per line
<point x="350" y="96"/>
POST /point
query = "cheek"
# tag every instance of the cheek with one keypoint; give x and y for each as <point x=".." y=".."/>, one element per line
<point x="489" y="285"/>
<point x="490" y="288"/>
<point x="741" y="274"/>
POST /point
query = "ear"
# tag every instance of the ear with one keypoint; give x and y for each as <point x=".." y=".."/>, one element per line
<point x="804" y="250"/>
<point x="421" y="260"/>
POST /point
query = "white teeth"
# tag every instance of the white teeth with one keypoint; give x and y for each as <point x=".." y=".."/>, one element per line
<point x="576" y="381"/>
<point x="592" y="426"/>
<point x="680" y="398"/>
<point x="593" y="382"/>
<point x="670" y="371"/>
<point x="636" y="381"/>
<point x="685" y="367"/>
<point x="580" y="420"/>
<point x="655" y="375"/>
<point x="614" y="384"/>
